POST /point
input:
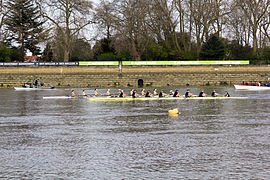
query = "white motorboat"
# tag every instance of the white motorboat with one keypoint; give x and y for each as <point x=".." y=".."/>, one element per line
<point x="251" y="87"/>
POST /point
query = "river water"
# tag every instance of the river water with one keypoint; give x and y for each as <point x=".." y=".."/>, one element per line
<point x="82" y="139"/>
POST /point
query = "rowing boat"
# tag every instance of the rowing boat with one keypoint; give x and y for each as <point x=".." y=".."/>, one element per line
<point x="63" y="97"/>
<point x="58" y="97"/>
<point x="34" y="88"/>
<point x="250" y="87"/>
<point x="156" y="98"/>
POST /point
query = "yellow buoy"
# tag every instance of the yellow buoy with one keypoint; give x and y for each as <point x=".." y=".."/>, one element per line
<point x="173" y="112"/>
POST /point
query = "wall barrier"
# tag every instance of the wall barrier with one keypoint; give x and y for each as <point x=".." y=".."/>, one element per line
<point x="30" y="64"/>
<point x="120" y="63"/>
<point x="175" y="63"/>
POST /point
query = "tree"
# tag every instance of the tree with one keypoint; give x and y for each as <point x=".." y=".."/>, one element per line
<point x="266" y="55"/>
<point x="212" y="49"/>
<point x="3" y="14"/>
<point x="202" y="18"/>
<point x="239" y="27"/>
<point x="130" y="23"/>
<point x="254" y="11"/>
<point x="15" y="54"/>
<point x="69" y="17"/>
<point x="47" y="55"/>
<point x="181" y="11"/>
<point x="4" y="53"/>
<point x="81" y="50"/>
<point x="103" y="46"/>
<point x="106" y="57"/>
<point x="155" y="52"/>
<point x="104" y="15"/>
<point x="238" y="51"/>
<point x="163" y="24"/>
<point x="25" y="26"/>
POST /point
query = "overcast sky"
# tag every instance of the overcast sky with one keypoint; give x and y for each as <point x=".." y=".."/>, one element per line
<point x="95" y="2"/>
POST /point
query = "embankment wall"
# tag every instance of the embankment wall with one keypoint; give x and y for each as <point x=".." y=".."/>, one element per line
<point x="109" y="77"/>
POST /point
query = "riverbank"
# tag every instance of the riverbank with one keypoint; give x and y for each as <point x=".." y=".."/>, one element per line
<point x="103" y="77"/>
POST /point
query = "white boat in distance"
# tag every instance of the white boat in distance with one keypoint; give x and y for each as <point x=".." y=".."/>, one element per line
<point x="33" y="88"/>
<point x="251" y="87"/>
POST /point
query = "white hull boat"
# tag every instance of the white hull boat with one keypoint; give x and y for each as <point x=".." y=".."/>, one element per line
<point x="250" y="87"/>
<point x="33" y="88"/>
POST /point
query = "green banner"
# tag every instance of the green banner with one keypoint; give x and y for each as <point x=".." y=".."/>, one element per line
<point x="98" y="63"/>
<point x="159" y="63"/>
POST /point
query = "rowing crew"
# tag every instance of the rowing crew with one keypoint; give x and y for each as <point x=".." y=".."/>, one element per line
<point x="134" y="94"/>
<point x="108" y="93"/>
<point x="175" y="93"/>
<point x="83" y="94"/>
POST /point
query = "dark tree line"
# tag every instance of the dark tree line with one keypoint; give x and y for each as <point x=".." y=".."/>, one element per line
<point x="75" y="30"/>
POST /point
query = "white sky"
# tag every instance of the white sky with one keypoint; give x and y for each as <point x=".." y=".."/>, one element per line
<point x="95" y="2"/>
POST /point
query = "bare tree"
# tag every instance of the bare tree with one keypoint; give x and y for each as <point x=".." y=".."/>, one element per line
<point x="179" y="4"/>
<point x="265" y="25"/>
<point x="201" y="18"/>
<point x="206" y="18"/>
<point x="189" y="5"/>
<point x="222" y="11"/>
<point x="104" y="15"/>
<point x="255" y="11"/>
<point x="3" y="14"/>
<point x="130" y="19"/>
<point x="70" y="17"/>
<point x="164" y="21"/>
<point x="177" y="23"/>
<point x="238" y="27"/>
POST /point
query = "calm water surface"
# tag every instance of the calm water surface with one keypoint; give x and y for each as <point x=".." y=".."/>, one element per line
<point x="81" y="139"/>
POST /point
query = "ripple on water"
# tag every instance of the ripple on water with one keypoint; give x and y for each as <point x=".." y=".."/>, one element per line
<point x="66" y="139"/>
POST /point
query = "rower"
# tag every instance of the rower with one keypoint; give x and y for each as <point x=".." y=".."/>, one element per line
<point x="171" y="92"/>
<point x="131" y="91"/>
<point x="108" y="92"/>
<point x="36" y="83"/>
<point x="121" y="93"/>
<point x="143" y="93"/>
<point x="161" y="94"/>
<point x="96" y="92"/>
<point x="73" y="93"/>
<point x="155" y="92"/>
<point x="202" y="94"/>
<point x="214" y="93"/>
<point x="188" y="94"/>
<point x="134" y="94"/>
<point x="176" y="94"/>
<point x="84" y="94"/>
<point x="227" y="94"/>
<point x="148" y="94"/>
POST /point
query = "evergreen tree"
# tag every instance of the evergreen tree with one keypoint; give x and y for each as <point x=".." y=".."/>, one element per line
<point x="104" y="46"/>
<point x="25" y="26"/>
<point x="238" y="51"/>
<point x="47" y="55"/>
<point x="212" y="49"/>
<point x="81" y="50"/>
<point x="4" y="53"/>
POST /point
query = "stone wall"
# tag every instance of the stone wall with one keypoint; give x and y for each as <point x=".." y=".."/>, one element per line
<point x="103" y="77"/>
